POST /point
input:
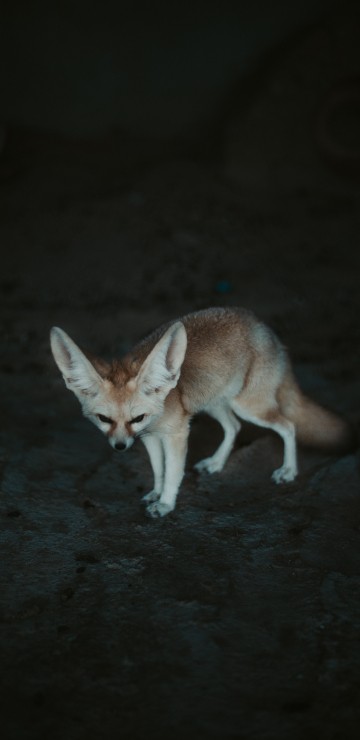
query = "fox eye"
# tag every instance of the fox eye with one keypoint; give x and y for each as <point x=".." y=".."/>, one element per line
<point x="137" y="419"/>
<point x="104" y="419"/>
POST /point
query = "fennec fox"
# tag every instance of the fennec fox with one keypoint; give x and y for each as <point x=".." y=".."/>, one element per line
<point x="222" y="361"/>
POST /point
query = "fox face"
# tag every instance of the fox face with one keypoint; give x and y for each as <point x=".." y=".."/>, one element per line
<point x="122" y="412"/>
<point x="118" y="420"/>
<point x="129" y="407"/>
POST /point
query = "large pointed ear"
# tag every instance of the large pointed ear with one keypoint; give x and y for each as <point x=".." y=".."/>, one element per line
<point x="79" y="374"/>
<point x="161" y="370"/>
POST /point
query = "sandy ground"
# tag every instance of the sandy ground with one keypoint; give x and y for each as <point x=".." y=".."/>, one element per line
<point x="238" y="615"/>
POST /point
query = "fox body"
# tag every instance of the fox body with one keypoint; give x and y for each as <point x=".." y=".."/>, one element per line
<point x="222" y="361"/>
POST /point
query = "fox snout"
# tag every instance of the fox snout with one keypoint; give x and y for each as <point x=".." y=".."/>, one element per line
<point x="121" y="444"/>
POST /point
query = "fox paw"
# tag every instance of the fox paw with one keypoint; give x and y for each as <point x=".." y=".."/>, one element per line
<point x="209" y="465"/>
<point x="152" y="496"/>
<point x="157" y="510"/>
<point x="283" y="475"/>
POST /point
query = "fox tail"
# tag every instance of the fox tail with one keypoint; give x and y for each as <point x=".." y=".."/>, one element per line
<point x="315" y="426"/>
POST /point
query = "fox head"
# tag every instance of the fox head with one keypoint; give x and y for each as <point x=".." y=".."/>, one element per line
<point x="129" y="406"/>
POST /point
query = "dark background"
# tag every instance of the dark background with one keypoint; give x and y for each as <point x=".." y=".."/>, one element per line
<point x="159" y="70"/>
<point x="157" y="158"/>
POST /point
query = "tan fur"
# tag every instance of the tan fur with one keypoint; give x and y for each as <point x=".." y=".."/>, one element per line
<point x="315" y="425"/>
<point x="222" y="361"/>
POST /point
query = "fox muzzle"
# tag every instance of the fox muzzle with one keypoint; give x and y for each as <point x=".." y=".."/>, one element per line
<point x="122" y="446"/>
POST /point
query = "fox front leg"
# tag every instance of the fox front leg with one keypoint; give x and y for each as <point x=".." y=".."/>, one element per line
<point x="156" y="454"/>
<point x="175" y="448"/>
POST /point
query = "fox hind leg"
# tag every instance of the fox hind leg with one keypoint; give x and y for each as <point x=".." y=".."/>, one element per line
<point x="275" y="420"/>
<point x="288" y="471"/>
<point x="231" y="426"/>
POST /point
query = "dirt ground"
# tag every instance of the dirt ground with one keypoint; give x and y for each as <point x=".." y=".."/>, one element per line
<point x="238" y="615"/>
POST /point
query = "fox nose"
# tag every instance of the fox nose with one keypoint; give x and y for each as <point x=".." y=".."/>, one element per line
<point x="120" y="446"/>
